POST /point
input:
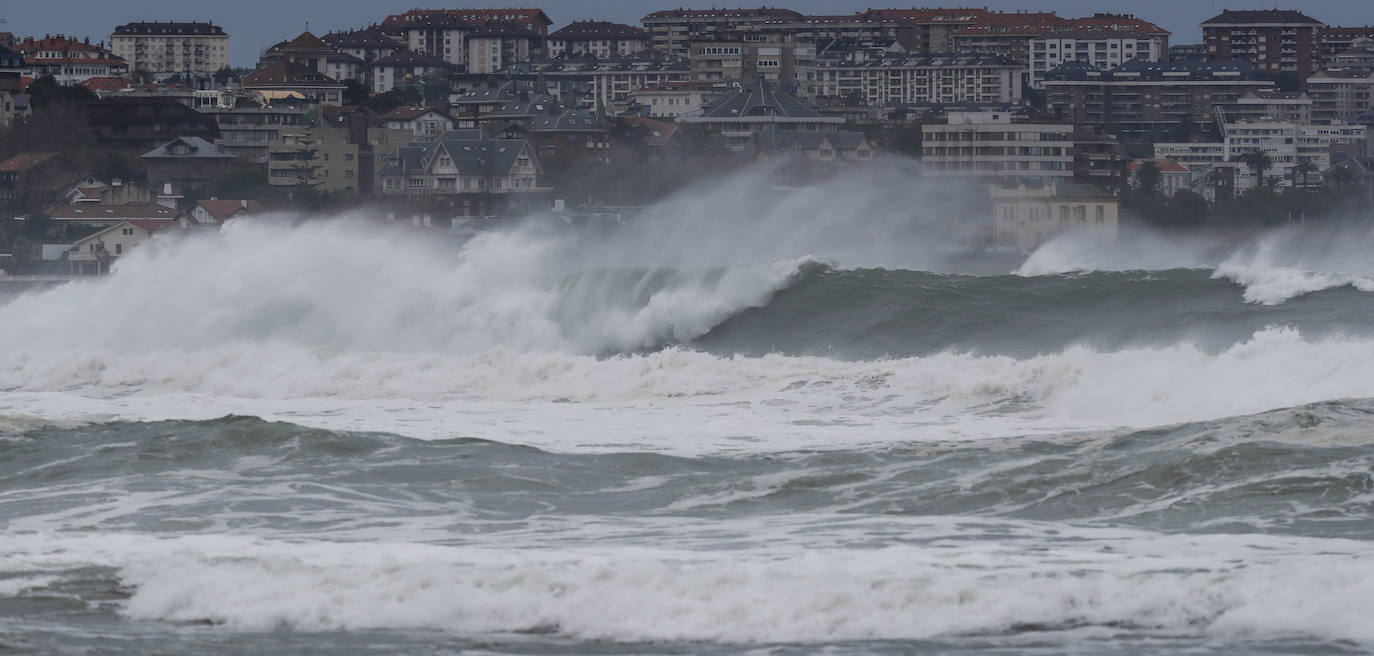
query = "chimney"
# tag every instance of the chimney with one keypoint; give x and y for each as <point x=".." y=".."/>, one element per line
<point x="243" y="204"/>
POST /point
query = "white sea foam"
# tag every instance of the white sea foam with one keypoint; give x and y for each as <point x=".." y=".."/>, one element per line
<point x="1272" y="267"/>
<point x="690" y="402"/>
<point x="1248" y="587"/>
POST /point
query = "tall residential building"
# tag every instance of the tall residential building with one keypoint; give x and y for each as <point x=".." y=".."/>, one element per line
<point x="739" y="56"/>
<point x="1011" y="34"/>
<point x="1276" y="40"/>
<point x="1333" y="40"/>
<point x="195" y="48"/>
<point x="533" y="19"/>
<point x="988" y="147"/>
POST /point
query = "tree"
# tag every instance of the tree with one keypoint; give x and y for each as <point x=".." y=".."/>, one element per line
<point x="1271" y="182"/>
<point x="354" y="92"/>
<point x="1341" y="177"/>
<point x="1259" y="162"/>
<point x="1304" y="168"/>
<point x="1147" y="178"/>
<point x="45" y="91"/>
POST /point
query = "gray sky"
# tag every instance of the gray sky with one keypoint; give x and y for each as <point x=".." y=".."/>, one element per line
<point x="255" y="24"/>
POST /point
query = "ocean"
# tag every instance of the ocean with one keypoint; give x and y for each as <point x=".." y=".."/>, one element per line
<point x="786" y="423"/>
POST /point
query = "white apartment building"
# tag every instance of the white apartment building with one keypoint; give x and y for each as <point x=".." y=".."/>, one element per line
<point x="196" y="48"/>
<point x="1105" y="49"/>
<point x="1285" y="143"/>
<point x="988" y="147"/>
<point x="901" y="78"/>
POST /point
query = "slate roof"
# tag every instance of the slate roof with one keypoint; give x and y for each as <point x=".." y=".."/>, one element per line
<point x="758" y="98"/>
<point x="410" y="113"/>
<point x="10" y="58"/>
<point x="200" y="149"/>
<point x="472" y="154"/>
<point x="1285" y="16"/>
<point x="191" y="28"/>
<point x="532" y="105"/>
<point x="841" y="140"/>
<point x="591" y="30"/>
<point x="1139" y="69"/>
<point x="368" y="38"/>
<point x="502" y="29"/>
<point x="113" y="212"/>
<point x="566" y="120"/>
<point x="410" y="58"/>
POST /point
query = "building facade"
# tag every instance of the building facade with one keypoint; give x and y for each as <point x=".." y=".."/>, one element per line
<point x="166" y="48"/>
<point x="902" y="78"/>
<point x="1278" y="41"/>
<point x="988" y="147"/>
<point x="597" y="39"/>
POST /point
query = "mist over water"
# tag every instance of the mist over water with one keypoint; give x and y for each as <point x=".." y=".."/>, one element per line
<point x="749" y="415"/>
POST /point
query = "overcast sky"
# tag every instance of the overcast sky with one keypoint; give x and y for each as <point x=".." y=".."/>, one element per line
<point x="255" y="24"/>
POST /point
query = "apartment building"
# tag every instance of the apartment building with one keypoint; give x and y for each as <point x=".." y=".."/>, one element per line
<point x="248" y="132"/>
<point x="1278" y="41"/>
<point x="1011" y="34"/>
<point x="597" y="39"/>
<point x="1334" y="40"/>
<point x="330" y="159"/>
<point x="673" y="31"/>
<point x="532" y="19"/>
<point x="738" y="56"/>
<point x="1105" y="49"/>
<point x="1140" y="95"/>
<point x="166" y="48"/>
<point x="1285" y="143"/>
<point x="585" y="82"/>
<point x="497" y="44"/>
<point x="1273" y="105"/>
<point x="913" y="78"/>
<point x="988" y="147"/>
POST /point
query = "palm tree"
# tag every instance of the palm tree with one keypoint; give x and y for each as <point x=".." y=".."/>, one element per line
<point x="1259" y="162"/>
<point x="1304" y="168"/>
<point x="1147" y="178"/>
<point x="1272" y="182"/>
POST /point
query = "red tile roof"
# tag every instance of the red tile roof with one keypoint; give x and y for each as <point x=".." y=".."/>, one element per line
<point x="25" y="161"/>
<point x="1164" y="165"/>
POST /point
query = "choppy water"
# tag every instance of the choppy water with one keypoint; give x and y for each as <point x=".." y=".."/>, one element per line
<point x="651" y="439"/>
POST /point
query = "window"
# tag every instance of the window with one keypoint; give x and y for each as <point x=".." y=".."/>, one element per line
<point x="119" y="249"/>
<point x="348" y="157"/>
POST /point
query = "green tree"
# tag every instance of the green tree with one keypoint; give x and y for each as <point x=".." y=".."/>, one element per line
<point x="1303" y="169"/>
<point x="354" y="92"/>
<point x="1147" y="178"/>
<point x="1259" y="162"/>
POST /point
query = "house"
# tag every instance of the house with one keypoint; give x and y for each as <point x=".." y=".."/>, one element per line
<point x="1024" y="218"/>
<point x="331" y="159"/>
<point x="1359" y="170"/>
<point x="94" y="254"/>
<point x="1173" y="177"/>
<point x="561" y="134"/>
<point x="187" y="163"/>
<point x="831" y="147"/>
<point x="12" y="71"/>
<point x="472" y="174"/>
<point x="657" y="134"/>
<point x="93" y="191"/>
<point x="219" y="211"/>
<point x="69" y="60"/>
<point x="426" y="123"/>
<point x="288" y="79"/>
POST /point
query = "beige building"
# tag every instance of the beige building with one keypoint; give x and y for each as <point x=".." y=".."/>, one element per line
<point x="326" y="159"/>
<point x="989" y="147"/>
<point x="96" y="253"/>
<point x="194" y="47"/>
<point x="1339" y="96"/>
<point x="1024" y="218"/>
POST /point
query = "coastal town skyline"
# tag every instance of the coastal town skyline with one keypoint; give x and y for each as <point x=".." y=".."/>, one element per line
<point x="254" y="25"/>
